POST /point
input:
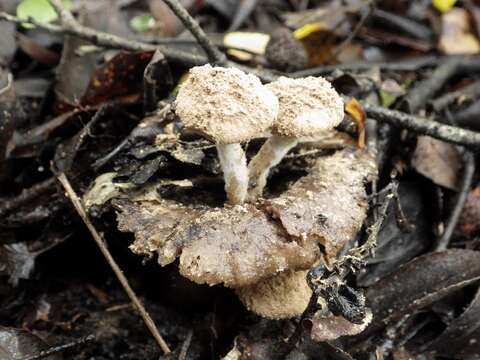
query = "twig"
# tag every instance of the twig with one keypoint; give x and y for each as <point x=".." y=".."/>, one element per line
<point x="108" y="40"/>
<point x="185" y="346"/>
<point x="214" y="55"/>
<point x="58" y="349"/>
<point x="426" y="89"/>
<point x="27" y="195"/>
<point x="465" y="64"/>
<point x="406" y="65"/>
<point x="242" y="12"/>
<point x="402" y="24"/>
<point x="116" y="269"/>
<point x="423" y="126"/>
<point x="354" y="33"/>
<point x="471" y="91"/>
<point x="468" y="172"/>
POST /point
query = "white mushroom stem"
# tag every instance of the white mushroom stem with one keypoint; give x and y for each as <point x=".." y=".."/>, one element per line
<point x="235" y="171"/>
<point x="269" y="155"/>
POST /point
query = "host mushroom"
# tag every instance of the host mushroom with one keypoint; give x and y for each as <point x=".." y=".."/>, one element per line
<point x="307" y="107"/>
<point x="228" y="107"/>
<point x="282" y="296"/>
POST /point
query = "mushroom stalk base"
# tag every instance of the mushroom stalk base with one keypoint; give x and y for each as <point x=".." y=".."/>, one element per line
<point x="269" y="155"/>
<point x="235" y="171"/>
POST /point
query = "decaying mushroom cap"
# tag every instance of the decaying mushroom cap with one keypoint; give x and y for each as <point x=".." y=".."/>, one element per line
<point x="225" y="104"/>
<point x="280" y="297"/>
<point x="242" y="245"/>
<point x="307" y="106"/>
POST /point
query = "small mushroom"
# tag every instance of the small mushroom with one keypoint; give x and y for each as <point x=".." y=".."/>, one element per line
<point x="282" y="296"/>
<point x="307" y="107"/>
<point x="228" y="107"/>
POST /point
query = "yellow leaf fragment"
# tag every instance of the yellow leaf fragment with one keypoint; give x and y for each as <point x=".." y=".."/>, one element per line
<point x="307" y="30"/>
<point x="355" y="110"/>
<point x="443" y="5"/>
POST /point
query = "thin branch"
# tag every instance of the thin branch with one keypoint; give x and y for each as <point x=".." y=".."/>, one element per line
<point x="107" y="40"/>
<point x="466" y="64"/>
<point x="116" y="269"/>
<point x="27" y="195"/>
<point x="424" y="90"/>
<point x="353" y="34"/>
<point x="468" y="172"/>
<point x="214" y="55"/>
<point x="421" y="125"/>
<point x="58" y="349"/>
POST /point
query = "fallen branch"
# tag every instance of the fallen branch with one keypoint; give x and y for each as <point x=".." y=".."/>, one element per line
<point x="214" y="55"/>
<point x="58" y="349"/>
<point x="107" y="40"/>
<point x="424" y="90"/>
<point x="423" y="126"/>
<point x="77" y="204"/>
<point x="465" y="64"/>
<point x="27" y="195"/>
<point x="468" y="173"/>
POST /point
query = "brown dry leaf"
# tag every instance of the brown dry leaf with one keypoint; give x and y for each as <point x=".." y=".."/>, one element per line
<point x="437" y="160"/>
<point x="241" y="245"/>
<point x="354" y="108"/>
<point x="332" y="327"/>
<point x="457" y="36"/>
<point x="469" y="222"/>
<point x="19" y="344"/>
<point x="120" y="77"/>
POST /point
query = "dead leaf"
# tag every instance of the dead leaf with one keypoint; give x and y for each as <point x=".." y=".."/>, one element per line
<point x="16" y="261"/>
<point x="457" y="36"/>
<point x="395" y="246"/>
<point x="420" y="283"/>
<point x="461" y="339"/>
<point x="437" y="160"/>
<point x="120" y="77"/>
<point x="8" y="120"/>
<point x="18" y="344"/>
<point x="354" y="108"/>
<point x="469" y="222"/>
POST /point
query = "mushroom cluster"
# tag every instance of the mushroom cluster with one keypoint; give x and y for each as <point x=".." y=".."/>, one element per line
<point x="263" y="248"/>
<point x="230" y="107"/>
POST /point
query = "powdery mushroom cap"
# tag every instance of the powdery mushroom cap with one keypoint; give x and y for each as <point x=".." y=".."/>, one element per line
<point x="280" y="297"/>
<point x="307" y="106"/>
<point x="225" y="104"/>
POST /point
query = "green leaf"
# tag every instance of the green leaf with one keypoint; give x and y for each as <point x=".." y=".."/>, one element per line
<point x="142" y="23"/>
<point x="39" y="10"/>
<point x="387" y="98"/>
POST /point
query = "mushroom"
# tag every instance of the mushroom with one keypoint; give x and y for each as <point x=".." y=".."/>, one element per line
<point x="282" y="296"/>
<point x="307" y="107"/>
<point x="228" y="107"/>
